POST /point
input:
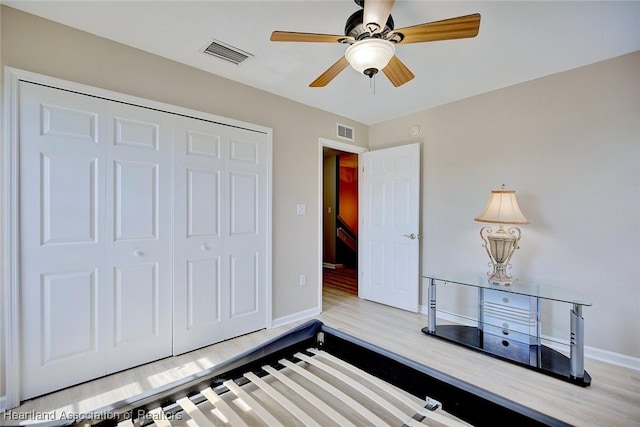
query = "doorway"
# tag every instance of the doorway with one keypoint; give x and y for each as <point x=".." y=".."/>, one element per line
<point x="339" y="218"/>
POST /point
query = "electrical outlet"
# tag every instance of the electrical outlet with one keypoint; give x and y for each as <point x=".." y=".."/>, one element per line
<point x="303" y="279"/>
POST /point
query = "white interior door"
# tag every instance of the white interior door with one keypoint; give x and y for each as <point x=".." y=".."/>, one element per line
<point x="389" y="234"/>
<point x="96" y="236"/>
<point x="62" y="236"/>
<point x="221" y="233"/>
<point x="139" y="236"/>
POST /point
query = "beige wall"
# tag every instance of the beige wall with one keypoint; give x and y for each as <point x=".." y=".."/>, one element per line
<point x="569" y="144"/>
<point x="33" y="44"/>
<point x="41" y="46"/>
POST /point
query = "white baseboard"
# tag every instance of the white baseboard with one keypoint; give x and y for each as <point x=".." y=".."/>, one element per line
<point x="595" y="353"/>
<point x="424" y="309"/>
<point x="295" y="317"/>
<point x="560" y="345"/>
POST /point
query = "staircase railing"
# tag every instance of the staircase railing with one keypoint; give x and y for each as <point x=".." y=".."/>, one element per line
<point x="346" y="234"/>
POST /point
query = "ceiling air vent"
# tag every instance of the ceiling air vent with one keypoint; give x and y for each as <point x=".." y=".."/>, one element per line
<point x="228" y="53"/>
<point x="345" y="132"/>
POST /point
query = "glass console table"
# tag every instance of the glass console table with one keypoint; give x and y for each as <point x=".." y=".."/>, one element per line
<point x="507" y="326"/>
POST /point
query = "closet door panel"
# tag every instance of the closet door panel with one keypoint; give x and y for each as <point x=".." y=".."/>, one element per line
<point x="203" y="202"/>
<point x="60" y="314"/>
<point x="220" y="241"/>
<point x="135" y="321"/>
<point x="62" y="277"/>
<point x="244" y="285"/>
<point x="203" y="292"/>
<point x="199" y="271"/>
<point x="139" y="227"/>
<point x="246" y="236"/>
<point x="135" y="197"/>
<point x="243" y="204"/>
<point x="69" y="198"/>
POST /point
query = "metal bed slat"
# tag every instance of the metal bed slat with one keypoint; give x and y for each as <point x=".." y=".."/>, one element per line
<point x="335" y="392"/>
<point x="257" y="407"/>
<point x="224" y="408"/>
<point x="192" y="410"/>
<point x="309" y="397"/>
<point x="282" y="400"/>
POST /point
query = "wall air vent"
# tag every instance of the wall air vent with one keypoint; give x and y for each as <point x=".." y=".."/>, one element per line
<point x="228" y="53"/>
<point x="345" y="132"/>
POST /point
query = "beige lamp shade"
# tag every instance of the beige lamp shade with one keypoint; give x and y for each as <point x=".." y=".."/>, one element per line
<point x="502" y="208"/>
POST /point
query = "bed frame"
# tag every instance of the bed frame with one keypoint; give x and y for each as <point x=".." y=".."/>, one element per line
<point x="385" y="383"/>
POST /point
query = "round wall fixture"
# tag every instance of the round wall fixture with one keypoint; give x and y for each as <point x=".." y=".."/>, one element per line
<point x="415" y="131"/>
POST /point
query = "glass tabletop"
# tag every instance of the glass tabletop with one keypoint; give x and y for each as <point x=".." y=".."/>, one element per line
<point x="521" y="288"/>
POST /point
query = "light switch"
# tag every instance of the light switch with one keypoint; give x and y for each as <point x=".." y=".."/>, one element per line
<point x="301" y="209"/>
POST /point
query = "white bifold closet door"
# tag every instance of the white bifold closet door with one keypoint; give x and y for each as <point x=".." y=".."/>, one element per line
<point x="220" y="233"/>
<point x="138" y="256"/>
<point x="112" y="197"/>
<point x="62" y="238"/>
<point x="96" y="290"/>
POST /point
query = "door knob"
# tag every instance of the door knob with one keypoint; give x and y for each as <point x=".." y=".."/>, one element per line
<point x="205" y="247"/>
<point x="138" y="252"/>
<point x="412" y="236"/>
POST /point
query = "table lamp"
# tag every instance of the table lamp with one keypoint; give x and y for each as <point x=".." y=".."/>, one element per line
<point x="502" y="208"/>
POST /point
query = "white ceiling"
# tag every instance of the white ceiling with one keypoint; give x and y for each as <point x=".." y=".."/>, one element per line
<point x="518" y="41"/>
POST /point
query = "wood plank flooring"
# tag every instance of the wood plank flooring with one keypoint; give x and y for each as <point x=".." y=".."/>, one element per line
<point x="343" y="279"/>
<point x="613" y="399"/>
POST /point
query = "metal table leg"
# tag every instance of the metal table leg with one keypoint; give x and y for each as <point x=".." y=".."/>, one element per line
<point x="432" y="306"/>
<point x="577" y="342"/>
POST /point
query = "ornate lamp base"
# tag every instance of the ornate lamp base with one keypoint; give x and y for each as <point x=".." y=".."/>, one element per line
<point x="500" y="247"/>
<point x="496" y="280"/>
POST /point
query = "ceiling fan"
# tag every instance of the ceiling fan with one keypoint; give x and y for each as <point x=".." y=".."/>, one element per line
<point x="371" y="37"/>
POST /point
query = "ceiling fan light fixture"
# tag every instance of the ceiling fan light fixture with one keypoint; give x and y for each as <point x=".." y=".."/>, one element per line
<point x="370" y="56"/>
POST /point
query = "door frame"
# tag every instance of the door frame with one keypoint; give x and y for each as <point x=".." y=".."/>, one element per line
<point x="11" y="214"/>
<point x="348" y="148"/>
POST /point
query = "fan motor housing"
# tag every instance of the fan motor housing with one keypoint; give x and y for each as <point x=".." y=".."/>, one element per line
<point x="354" y="27"/>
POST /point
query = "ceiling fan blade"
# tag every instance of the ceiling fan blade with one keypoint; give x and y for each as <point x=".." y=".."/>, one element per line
<point x="376" y="13"/>
<point x="461" y="27"/>
<point x="397" y="73"/>
<point x="329" y="75"/>
<point x="287" y="36"/>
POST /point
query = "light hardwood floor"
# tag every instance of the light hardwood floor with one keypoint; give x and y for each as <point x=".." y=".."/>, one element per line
<point x="613" y="399"/>
<point x="343" y="279"/>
